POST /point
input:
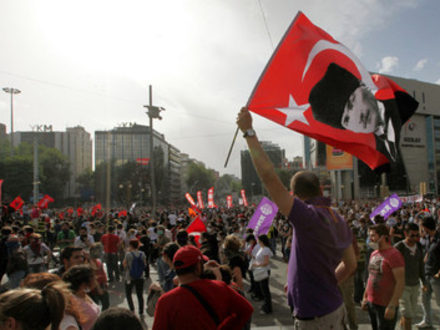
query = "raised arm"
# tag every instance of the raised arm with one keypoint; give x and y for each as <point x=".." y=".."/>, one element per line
<point x="264" y="166"/>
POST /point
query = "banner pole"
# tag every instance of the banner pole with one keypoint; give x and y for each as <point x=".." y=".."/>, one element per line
<point x="232" y="146"/>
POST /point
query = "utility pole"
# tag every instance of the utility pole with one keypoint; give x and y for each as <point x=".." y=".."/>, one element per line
<point x="153" y="112"/>
<point x="36" y="179"/>
<point x="12" y="91"/>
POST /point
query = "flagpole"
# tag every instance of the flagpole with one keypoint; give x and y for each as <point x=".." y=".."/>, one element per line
<point x="232" y="146"/>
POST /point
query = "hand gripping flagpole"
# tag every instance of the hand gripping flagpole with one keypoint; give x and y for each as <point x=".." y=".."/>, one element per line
<point x="231" y="147"/>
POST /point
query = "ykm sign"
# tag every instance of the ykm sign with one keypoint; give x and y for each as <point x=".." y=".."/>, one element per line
<point x="42" y="128"/>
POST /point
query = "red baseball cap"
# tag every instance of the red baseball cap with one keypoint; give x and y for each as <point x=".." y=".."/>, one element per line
<point x="187" y="256"/>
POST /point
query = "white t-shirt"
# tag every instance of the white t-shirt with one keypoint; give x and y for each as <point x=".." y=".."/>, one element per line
<point x="261" y="254"/>
<point x="172" y="217"/>
<point x="68" y="321"/>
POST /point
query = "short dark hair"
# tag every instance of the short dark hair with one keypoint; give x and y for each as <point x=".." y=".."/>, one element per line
<point x="111" y="228"/>
<point x="116" y="318"/>
<point x="264" y="239"/>
<point x="380" y="229"/>
<point x="170" y="250"/>
<point x="411" y="226"/>
<point x="134" y="243"/>
<point x="67" y="252"/>
<point x="429" y="223"/>
<point x="305" y="185"/>
<point x="182" y="237"/>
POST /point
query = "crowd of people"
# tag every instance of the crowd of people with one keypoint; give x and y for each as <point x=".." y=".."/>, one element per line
<point x="59" y="270"/>
<point x="88" y="253"/>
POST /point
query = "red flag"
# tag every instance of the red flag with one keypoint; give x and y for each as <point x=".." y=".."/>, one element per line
<point x="17" y="203"/>
<point x="314" y="85"/>
<point x="70" y="211"/>
<point x="96" y="208"/>
<point x="79" y="211"/>
<point x="200" y="199"/>
<point x="229" y="201"/>
<point x="196" y="228"/>
<point x="44" y="202"/>
<point x="122" y="213"/>
<point x="190" y="199"/>
<point x="142" y="161"/>
<point x="243" y="196"/>
<point x="61" y="215"/>
<point x="211" y="198"/>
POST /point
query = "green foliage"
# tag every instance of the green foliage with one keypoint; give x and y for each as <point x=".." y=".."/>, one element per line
<point x="199" y="177"/>
<point x="17" y="171"/>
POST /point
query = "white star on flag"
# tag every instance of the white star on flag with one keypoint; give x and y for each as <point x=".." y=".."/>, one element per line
<point x="294" y="112"/>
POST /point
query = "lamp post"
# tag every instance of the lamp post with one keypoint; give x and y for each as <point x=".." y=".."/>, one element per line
<point x="12" y="91"/>
<point x="153" y="112"/>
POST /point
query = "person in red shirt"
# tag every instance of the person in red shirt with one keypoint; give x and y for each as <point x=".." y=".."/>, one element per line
<point x="199" y="303"/>
<point x="386" y="279"/>
<point x="111" y="243"/>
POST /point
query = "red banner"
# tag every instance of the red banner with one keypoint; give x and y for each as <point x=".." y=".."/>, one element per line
<point x="211" y="198"/>
<point x="229" y="201"/>
<point x="316" y="86"/>
<point x="142" y="161"/>
<point x="17" y="203"/>
<point x="79" y="211"/>
<point x="243" y="196"/>
<point x="190" y="199"/>
<point x="122" y="213"/>
<point x="200" y="199"/>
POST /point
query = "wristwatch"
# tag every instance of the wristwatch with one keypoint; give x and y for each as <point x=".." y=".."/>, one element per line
<point x="249" y="132"/>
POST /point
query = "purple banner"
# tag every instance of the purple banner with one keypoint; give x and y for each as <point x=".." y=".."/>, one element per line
<point x="391" y="204"/>
<point x="263" y="217"/>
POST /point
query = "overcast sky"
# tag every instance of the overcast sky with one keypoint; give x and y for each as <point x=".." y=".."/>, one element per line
<point x="90" y="62"/>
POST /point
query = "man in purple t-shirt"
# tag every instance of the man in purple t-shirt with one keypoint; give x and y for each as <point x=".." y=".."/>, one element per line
<point x="322" y="254"/>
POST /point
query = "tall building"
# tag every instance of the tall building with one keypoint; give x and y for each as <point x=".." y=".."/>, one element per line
<point x="130" y="142"/>
<point x="75" y="143"/>
<point x="249" y="177"/>
<point x="418" y="170"/>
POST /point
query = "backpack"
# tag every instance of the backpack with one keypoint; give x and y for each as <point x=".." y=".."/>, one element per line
<point x="137" y="266"/>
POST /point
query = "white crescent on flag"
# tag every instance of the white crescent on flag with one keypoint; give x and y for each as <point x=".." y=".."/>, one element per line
<point x="323" y="45"/>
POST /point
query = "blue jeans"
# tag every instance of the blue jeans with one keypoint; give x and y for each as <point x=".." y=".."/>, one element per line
<point x="433" y="285"/>
<point x="377" y="319"/>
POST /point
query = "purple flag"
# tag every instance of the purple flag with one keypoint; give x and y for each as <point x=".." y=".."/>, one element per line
<point x="391" y="204"/>
<point x="263" y="217"/>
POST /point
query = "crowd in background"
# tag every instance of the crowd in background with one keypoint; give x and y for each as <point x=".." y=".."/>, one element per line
<point x="59" y="270"/>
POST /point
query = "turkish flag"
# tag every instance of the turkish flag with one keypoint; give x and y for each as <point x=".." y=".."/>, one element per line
<point x="196" y="228"/>
<point x="17" y="203"/>
<point x="316" y="86"/>
<point x="122" y="213"/>
<point x="44" y="202"/>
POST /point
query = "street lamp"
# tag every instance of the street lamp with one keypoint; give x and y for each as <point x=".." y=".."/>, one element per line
<point x="153" y="112"/>
<point x="12" y="91"/>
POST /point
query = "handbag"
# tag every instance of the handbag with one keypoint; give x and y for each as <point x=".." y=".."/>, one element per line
<point x="260" y="273"/>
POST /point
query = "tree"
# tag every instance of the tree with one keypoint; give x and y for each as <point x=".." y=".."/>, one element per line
<point x="199" y="177"/>
<point x="17" y="171"/>
<point x="86" y="182"/>
<point x="226" y="185"/>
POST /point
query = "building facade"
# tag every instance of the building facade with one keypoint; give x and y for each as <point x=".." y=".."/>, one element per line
<point x="75" y="143"/>
<point x="249" y="177"/>
<point x="129" y="143"/>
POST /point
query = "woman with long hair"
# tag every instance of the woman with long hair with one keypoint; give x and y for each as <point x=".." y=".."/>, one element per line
<point x="82" y="280"/>
<point x="32" y="309"/>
